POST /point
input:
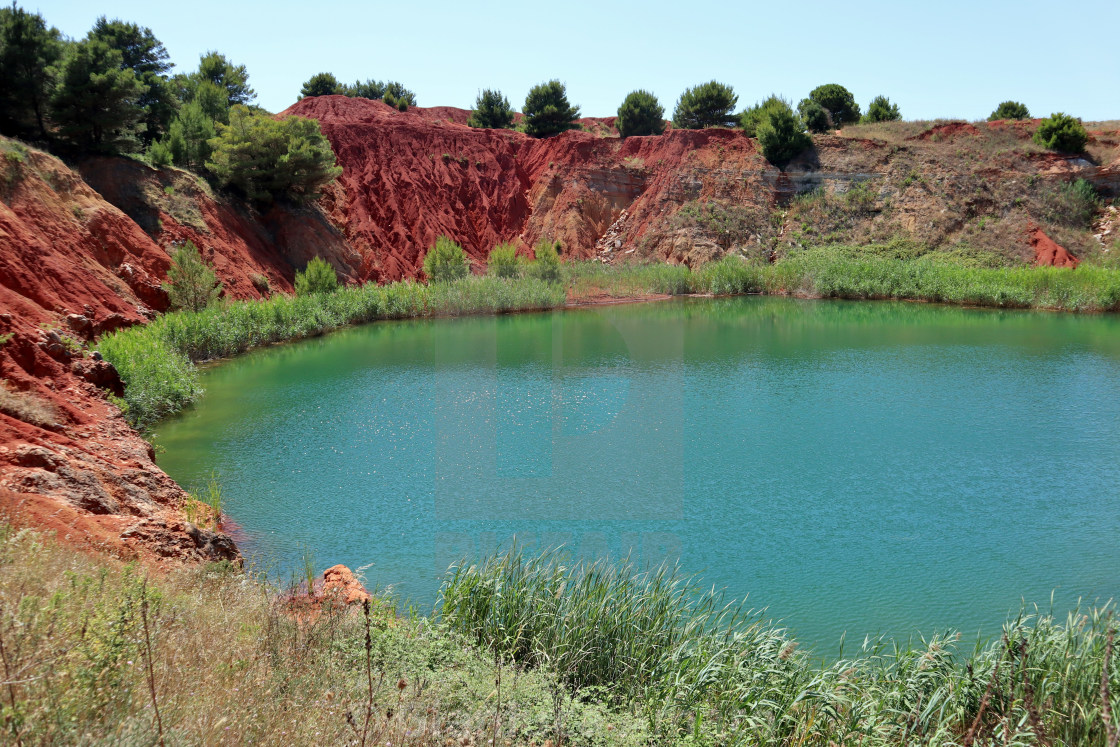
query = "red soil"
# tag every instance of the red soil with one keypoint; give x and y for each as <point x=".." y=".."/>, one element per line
<point x="1049" y="253"/>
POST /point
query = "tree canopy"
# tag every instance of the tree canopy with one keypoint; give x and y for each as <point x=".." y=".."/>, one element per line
<point x="146" y="56"/>
<point x="753" y="116"/>
<point x="547" y="111"/>
<point x="882" y="110"/>
<point x="781" y="134"/>
<point x="321" y="84"/>
<point x="267" y="159"/>
<point x="838" y="102"/>
<point x="96" y="101"/>
<point x="29" y="52"/>
<point x="492" y="110"/>
<point x="1010" y="110"/>
<point x="706" y="105"/>
<point x="640" y="114"/>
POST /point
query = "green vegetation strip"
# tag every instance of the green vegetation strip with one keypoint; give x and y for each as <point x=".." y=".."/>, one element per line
<point x="704" y="672"/>
<point x="526" y="650"/>
<point x="156" y="361"/>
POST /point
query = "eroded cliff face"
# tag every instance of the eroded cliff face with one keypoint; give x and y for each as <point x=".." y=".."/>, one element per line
<point x="411" y="176"/>
<point x="83" y="252"/>
<point x="75" y="263"/>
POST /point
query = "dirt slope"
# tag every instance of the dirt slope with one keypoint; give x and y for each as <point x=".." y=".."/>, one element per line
<point x="74" y="265"/>
<point x="411" y="176"/>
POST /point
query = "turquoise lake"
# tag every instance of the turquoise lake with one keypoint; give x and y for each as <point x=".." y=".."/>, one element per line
<point x="855" y="468"/>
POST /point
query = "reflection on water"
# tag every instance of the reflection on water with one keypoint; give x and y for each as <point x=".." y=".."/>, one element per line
<point x="859" y="467"/>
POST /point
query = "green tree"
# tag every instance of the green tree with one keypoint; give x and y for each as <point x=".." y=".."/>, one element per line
<point x="546" y="262"/>
<point x="640" y="114"/>
<point x="445" y="261"/>
<point x="371" y="89"/>
<point x="1010" y="110"/>
<point x="146" y="56"/>
<point x="838" y="102"/>
<point x="492" y="111"/>
<point x="399" y="93"/>
<point x="1062" y="133"/>
<point x="29" y="51"/>
<point x="96" y="103"/>
<point x="213" y="99"/>
<point x="753" y="116"/>
<point x="321" y="84"/>
<point x="782" y="135"/>
<point x="191" y="283"/>
<point x="266" y="159"/>
<point x="317" y="277"/>
<point x="503" y="261"/>
<point x="234" y="79"/>
<point x="547" y="111"/>
<point x="188" y="140"/>
<point x="882" y="110"/>
<point x="814" y="116"/>
<point x="706" y="105"/>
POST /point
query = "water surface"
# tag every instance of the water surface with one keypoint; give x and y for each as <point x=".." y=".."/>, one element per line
<point x="854" y="467"/>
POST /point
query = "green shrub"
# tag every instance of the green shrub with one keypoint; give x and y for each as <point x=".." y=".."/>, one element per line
<point x="320" y="84"/>
<point x="266" y="159"/>
<point x="838" y="102"/>
<point x="1062" y="133"/>
<point x="547" y="111"/>
<point x="317" y="277"/>
<point x="781" y="135"/>
<point x="546" y="263"/>
<point x="706" y="105"/>
<point x="640" y="114"/>
<point x="814" y="116"/>
<point x="503" y="262"/>
<point x="492" y="111"/>
<point x="882" y="110"/>
<point x="191" y="284"/>
<point x="1072" y="204"/>
<point x="1010" y="110"/>
<point x="753" y="116"/>
<point x="445" y="261"/>
<point x="159" y="154"/>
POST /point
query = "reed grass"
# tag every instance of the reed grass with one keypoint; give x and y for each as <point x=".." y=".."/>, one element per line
<point x="702" y="669"/>
<point x="156" y="361"/>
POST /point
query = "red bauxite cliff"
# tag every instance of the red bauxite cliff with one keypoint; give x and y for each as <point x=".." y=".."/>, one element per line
<point x="84" y="251"/>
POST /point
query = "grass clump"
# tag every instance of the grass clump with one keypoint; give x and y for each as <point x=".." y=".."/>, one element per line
<point x="27" y="407"/>
<point x="93" y="650"/>
<point x="701" y="670"/>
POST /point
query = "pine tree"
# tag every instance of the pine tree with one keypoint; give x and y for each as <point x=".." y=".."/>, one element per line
<point x="317" y="277"/>
<point x="547" y="111"/>
<point x="706" y="105"/>
<point x="29" y="50"/>
<point x="146" y="56"/>
<point x="266" y="159"/>
<point x="492" y="110"/>
<point x="96" y="103"/>
<point x="320" y="84"/>
<point x="640" y="114"/>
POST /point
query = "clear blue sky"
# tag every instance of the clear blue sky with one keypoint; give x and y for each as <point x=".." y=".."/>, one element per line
<point x="946" y="59"/>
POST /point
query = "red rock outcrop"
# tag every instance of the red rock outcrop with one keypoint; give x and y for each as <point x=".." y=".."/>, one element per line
<point x="1049" y="253"/>
<point x="74" y="265"/>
